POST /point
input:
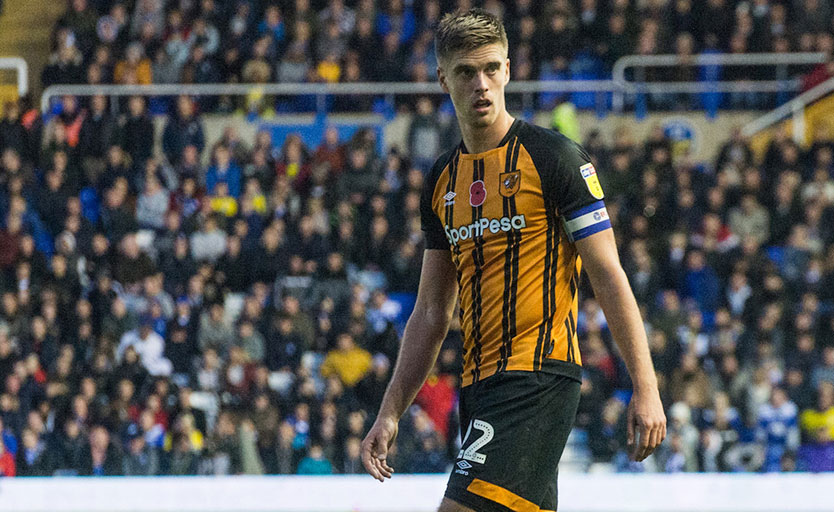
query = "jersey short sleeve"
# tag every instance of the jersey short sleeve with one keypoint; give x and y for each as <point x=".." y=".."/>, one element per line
<point x="430" y="222"/>
<point x="569" y="183"/>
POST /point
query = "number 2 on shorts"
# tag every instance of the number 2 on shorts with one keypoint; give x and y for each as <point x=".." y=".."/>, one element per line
<point x="471" y="453"/>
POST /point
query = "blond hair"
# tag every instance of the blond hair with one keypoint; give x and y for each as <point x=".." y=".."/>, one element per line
<point x="466" y="31"/>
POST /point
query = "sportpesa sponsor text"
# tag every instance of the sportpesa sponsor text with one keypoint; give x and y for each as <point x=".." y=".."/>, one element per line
<point x="483" y="225"/>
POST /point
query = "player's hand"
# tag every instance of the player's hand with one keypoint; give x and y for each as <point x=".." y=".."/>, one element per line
<point x="375" y="447"/>
<point x="646" y="424"/>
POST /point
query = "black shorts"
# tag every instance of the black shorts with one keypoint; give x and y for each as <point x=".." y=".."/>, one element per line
<point x="515" y="425"/>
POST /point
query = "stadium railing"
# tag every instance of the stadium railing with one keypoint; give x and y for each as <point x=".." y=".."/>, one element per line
<point x="320" y="90"/>
<point x="618" y="71"/>
<point x="619" y="85"/>
<point x="794" y="108"/>
<point x="708" y="84"/>
<point x="19" y="65"/>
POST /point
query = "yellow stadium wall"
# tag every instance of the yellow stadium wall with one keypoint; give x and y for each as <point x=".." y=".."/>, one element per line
<point x="819" y="125"/>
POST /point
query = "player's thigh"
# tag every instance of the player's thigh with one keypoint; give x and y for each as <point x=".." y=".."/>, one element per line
<point x="448" y="505"/>
<point x="515" y="429"/>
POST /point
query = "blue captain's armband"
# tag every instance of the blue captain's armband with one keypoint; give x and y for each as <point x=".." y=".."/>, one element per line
<point x="586" y="221"/>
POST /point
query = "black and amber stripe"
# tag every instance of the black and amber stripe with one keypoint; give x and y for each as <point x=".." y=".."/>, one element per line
<point x="516" y="242"/>
<point x="543" y="327"/>
<point x="478" y="260"/>
<point x="554" y="268"/>
<point x="510" y="296"/>
<point x="570" y="323"/>
<point x="449" y="217"/>
<point x="551" y="267"/>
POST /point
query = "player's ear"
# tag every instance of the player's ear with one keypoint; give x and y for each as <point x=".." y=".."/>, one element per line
<point x="507" y="74"/>
<point x="441" y="77"/>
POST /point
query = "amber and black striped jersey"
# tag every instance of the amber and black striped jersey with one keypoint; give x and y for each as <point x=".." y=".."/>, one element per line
<point x="510" y="217"/>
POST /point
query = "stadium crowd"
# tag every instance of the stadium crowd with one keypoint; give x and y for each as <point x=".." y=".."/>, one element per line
<point x="234" y="307"/>
<point x="292" y="41"/>
<point x="162" y="316"/>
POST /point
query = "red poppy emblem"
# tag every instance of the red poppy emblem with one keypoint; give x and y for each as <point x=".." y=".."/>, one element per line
<point x="477" y="193"/>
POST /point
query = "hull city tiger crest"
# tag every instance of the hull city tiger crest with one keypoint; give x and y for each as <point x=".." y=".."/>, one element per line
<point x="510" y="183"/>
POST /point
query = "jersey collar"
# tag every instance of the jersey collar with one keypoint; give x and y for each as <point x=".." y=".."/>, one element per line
<point x="509" y="135"/>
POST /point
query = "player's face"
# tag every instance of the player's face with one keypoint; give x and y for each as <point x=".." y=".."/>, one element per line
<point x="475" y="80"/>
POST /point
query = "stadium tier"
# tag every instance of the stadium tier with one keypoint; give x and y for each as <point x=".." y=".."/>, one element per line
<point x="177" y="301"/>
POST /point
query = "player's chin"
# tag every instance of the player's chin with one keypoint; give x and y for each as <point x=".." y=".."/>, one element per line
<point x="481" y="120"/>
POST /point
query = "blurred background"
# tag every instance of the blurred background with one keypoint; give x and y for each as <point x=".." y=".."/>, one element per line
<point x="210" y="237"/>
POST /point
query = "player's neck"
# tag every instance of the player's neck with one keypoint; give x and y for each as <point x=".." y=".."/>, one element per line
<point x="478" y="139"/>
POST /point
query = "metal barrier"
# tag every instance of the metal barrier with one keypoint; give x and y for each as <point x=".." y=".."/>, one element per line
<point x="19" y="65"/>
<point x="306" y="89"/>
<point x="794" y="108"/>
<point x="618" y="85"/>
<point x="394" y="88"/>
<point x="618" y="72"/>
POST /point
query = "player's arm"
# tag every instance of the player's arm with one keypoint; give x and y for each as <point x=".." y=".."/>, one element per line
<point x="424" y="333"/>
<point x="613" y="292"/>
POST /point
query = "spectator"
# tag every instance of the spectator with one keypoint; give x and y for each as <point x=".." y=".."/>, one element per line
<point x="825" y="371"/>
<point x="97" y="134"/>
<point x="283" y="352"/>
<point x="32" y="457"/>
<point x="336" y="12"/>
<point x="816" y="457"/>
<point x="183" y="130"/>
<point x="215" y="331"/>
<point x="777" y="427"/>
<point x="258" y="69"/>
<point x="296" y="61"/>
<point x="750" y="220"/>
<point x="137" y="131"/>
<point x="818" y="424"/>
<point x="140" y="459"/>
<point x="424" y="135"/>
<point x="690" y="383"/>
<point x="204" y="35"/>
<point x="251" y="341"/>
<point x="135" y="68"/>
<point x="428" y="457"/>
<point x="348" y="362"/>
<point x="365" y="43"/>
<point x="152" y="205"/>
<point x="65" y="65"/>
<point x="150" y="347"/>
<point x="224" y="447"/>
<point x="701" y="283"/>
<point x="132" y="264"/>
<point x="272" y="25"/>
<point x="437" y="398"/>
<point x="315" y="463"/>
<point x="181" y="460"/>
<point x="391" y="62"/>
<point x="224" y="170"/>
<point x="209" y="243"/>
<point x="8" y="438"/>
<point x="14" y="135"/>
<point x="398" y="18"/>
<point x="7" y="463"/>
